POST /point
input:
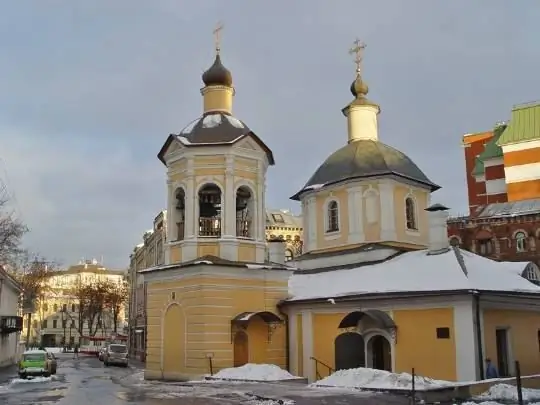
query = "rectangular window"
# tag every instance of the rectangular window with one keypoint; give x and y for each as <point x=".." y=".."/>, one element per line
<point x="64" y="307"/>
<point x="54" y="323"/>
<point x="72" y="324"/>
<point x="44" y="324"/>
<point x="72" y="307"/>
<point x="64" y="324"/>
<point x="443" y="333"/>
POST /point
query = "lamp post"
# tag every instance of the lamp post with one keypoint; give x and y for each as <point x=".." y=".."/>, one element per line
<point x="64" y="319"/>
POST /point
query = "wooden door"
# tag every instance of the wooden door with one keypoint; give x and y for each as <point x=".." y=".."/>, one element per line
<point x="241" y="349"/>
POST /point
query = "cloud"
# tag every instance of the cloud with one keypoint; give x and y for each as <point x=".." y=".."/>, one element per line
<point x="90" y="91"/>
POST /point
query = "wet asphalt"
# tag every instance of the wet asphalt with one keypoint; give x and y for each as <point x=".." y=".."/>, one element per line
<point x="87" y="382"/>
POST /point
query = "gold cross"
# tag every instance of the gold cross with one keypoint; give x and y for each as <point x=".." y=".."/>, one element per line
<point x="217" y="36"/>
<point x="358" y="49"/>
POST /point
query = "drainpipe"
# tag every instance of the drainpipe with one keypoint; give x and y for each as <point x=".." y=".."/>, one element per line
<point x="479" y="345"/>
<point x="287" y="343"/>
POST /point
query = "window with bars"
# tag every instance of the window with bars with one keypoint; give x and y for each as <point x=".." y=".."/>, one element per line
<point x="410" y="214"/>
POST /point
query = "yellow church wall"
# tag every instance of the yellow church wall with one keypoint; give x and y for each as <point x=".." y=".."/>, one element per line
<point x="325" y="330"/>
<point x="245" y="162"/>
<point x="204" y="161"/>
<point x="208" y="305"/>
<point x="421" y="198"/>
<point x="175" y="254"/>
<point x="299" y="345"/>
<point x="217" y="98"/>
<point x="372" y="231"/>
<point x="523" y="328"/>
<point x="334" y="239"/>
<point x="417" y="344"/>
<point x="210" y="248"/>
<point x="209" y="172"/>
<point x="245" y="174"/>
<point x="246" y="252"/>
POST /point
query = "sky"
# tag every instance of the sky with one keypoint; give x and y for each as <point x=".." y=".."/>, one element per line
<point x="90" y="90"/>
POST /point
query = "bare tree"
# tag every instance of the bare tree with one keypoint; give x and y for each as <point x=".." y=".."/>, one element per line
<point x="11" y="230"/>
<point x="115" y="300"/>
<point x="91" y="297"/>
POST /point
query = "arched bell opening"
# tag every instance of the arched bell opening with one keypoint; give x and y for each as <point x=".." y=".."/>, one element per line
<point x="210" y="211"/>
<point x="244" y="212"/>
<point x="180" y="213"/>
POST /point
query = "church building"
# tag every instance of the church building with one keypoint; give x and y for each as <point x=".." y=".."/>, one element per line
<point x="377" y="285"/>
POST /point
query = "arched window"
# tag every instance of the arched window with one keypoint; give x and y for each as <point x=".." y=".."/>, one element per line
<point x="410" y="214"/>
<point x="288" y="255"/>
<point x="531" y="273"/>
<point x="180" y="213"/>
<point x="244" y="211"/>
<point x="486" y="246"/>
<point x="521" y="241"/>
<point x="454" y="241"/>
<point x="210" y="211"/>
<point x="333" y="217"/>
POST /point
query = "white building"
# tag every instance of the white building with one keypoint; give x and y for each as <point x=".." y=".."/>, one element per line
<point x="10" y="320"/>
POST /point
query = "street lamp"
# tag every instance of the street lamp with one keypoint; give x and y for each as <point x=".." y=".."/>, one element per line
<point x="64" y="319"/>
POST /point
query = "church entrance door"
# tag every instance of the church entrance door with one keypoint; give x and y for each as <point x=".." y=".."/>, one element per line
<point x="349" y="351"/>
<point x="241" y="349"/>
<point x="381" y="353"/>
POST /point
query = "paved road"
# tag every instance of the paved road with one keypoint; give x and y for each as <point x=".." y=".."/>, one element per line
<point x="87" y="382"/>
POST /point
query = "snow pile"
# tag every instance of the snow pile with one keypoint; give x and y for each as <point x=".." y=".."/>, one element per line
<point x="54" y="349"/>
<point x="506" y="392"/>
<point x="377" y="379"/>
<point x="31" y="380"/>
<point x="255" y="372"/>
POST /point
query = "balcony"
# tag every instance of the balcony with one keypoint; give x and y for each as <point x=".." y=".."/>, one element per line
<point x="243" y="228"/>
<point x="210" y="227"/>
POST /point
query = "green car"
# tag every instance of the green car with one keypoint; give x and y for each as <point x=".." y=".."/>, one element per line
<point x="35" y="363"/>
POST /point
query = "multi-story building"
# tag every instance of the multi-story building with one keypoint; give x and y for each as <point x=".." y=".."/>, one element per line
<point x="10" y="319"/>
<point x="57" y="312"/>
<point x="147" y="254"/>
<point x="503" y="181"/>
<point x="280" y="224"/>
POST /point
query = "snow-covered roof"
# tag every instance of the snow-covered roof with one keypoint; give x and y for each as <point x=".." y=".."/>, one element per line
<point x="415" y="272"/>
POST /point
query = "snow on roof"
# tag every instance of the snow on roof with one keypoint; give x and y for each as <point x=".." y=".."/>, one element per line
<point x="415" y="272"/>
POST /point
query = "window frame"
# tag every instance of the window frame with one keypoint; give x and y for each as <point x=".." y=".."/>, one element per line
<point x="413" y="212"/>
<point x="332" y="217"/>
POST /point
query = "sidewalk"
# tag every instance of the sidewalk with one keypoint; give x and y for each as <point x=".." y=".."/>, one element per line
<point x="136" y="364"/>
<point x="7" y="373"/>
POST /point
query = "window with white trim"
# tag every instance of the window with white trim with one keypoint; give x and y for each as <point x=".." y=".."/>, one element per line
<point x="288" y="255"/>
<point x="521" y="241"/>
<point x="333" y="217"/>
<point x="410" y="214"/>
<point x="486" y="246"/>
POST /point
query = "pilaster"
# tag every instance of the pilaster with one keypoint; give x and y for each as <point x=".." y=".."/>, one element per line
<point x="355" y="211"/>
<point x="191" y="201"/>
<point x="311" y="208"/>
<point x="388" y="214"/>
<point x="229" y="201"/>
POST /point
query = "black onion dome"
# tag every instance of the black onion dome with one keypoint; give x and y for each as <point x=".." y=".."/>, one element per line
<point x="217" y="74"/>
<point x="365" y="159"/>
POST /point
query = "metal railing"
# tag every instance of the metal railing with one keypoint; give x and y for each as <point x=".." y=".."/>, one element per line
<point x="317" y="373"/>
<point x="243" y="228"/>
<point x="210" y="227"/>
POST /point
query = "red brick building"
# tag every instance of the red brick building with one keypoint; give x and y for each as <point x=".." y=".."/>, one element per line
<point x="501" y="231"/>
<point x="503" y="184"/>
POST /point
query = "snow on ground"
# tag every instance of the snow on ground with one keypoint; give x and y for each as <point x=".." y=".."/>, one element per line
<point x="255" y="372"/>
<point x="54" y="349"/>
<point x="506" y="392"/>
<point x="377" y="379"/>
<point x="31" y="380"/>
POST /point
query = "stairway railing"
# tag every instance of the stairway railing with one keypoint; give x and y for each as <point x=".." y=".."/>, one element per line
<point x="317" y="373"/>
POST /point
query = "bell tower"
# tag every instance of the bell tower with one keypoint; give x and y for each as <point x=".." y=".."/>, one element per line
<point x="216" y="180"/>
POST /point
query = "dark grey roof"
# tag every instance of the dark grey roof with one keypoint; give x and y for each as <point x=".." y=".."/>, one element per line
<point x="214" y="128"/>
<point x="362" y="159"/>
<point x="508" y="209"/>
<point x="217" y="74"/>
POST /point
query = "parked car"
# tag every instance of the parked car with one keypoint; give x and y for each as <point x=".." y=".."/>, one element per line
<point x="116" y="354"/>
<point x="101" y="354"/>
<point x="35" y="363"/>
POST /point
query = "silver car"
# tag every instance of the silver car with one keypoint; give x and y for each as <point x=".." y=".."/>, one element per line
<point x="116" y="354"/>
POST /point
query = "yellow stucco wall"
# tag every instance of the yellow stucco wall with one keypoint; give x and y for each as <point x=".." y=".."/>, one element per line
<point x="421" y="198"/>
<point x="206" y="306"/>
<point x="417" y="344"/>
<point x="524" y="342"/>
<point x="325" y="330"/>
<point x="341" y="196"/>
<point x="175" y="254"/>
<point x="299" y="345"/>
